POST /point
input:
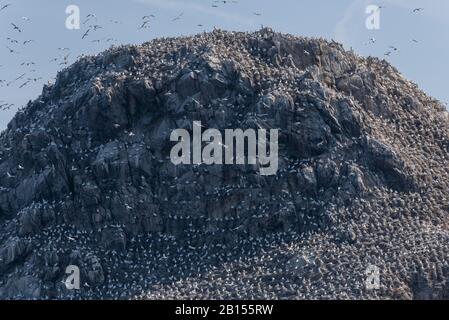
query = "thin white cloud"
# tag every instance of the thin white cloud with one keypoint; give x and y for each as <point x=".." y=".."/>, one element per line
<point x="181" y="5"/>
<point x="437" y="9"/>
<point x="341" y="28"/>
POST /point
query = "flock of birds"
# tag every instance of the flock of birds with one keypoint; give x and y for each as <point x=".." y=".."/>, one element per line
<point x="394" y="49"/>
<point x="91" y="21"/>
<point x="14" y="45"/>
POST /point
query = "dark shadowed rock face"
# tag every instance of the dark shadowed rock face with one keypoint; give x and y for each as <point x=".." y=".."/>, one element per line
<point x="86" y="179"/>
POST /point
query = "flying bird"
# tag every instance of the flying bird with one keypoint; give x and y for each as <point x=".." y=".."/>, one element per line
<point x="5" y="6"/>
<point x="90" y="16"/>
<point x="144" y="25"/>
<point x="96" y="27"/>
<point x="86" y="34"/>
<point x="418" y="10"/>
<point x="225" y="1"/>
<point x="24" y="84"/>
<point x="35" y="79"/>
<point x="11" y="50"/>
<point x="15" y="27"/>
<point x="148" y="16"/>
<point x="20" y="77"/>
<point x="12" y="40"/>
<point x="27" y="41"/>
<point x="178" y="17"/>
<point x="65" y="62"/>
<point x="371" y="41"/>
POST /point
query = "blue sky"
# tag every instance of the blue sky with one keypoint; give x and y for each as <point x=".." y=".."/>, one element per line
<point x="424" y="62"/>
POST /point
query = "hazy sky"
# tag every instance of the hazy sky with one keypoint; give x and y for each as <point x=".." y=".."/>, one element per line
<point x="424" y="62"/>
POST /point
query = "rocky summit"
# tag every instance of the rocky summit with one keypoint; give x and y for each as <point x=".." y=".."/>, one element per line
<point x="362" y="182"/>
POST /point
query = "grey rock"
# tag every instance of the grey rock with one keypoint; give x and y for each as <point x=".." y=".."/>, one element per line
<point x="86" y="179"/>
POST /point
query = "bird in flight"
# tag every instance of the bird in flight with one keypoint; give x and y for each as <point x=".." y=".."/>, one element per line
<point x="95" y="27"/>
<point x="35" y="79"/>
<point x="418" y="10"/>
<point x="178" y="17"/>
<point x="257" y="13"/>
<point x="27" y="64"/>
<point x="7" y="107"/>
<point x="90" y="16"/>
<point x="86" y="34"/>
<point x="24" y="84"/>
<point x="11" y="50"/>
<point x="225" y="1"/>
<point x="18" y="78"/>
<point x="144" y="25"/>
<point x="12" y="40"/>
<point x="148" y="17"/>
<point x="371" y="41"/>
<point x="66" y="61"/>
<point x="15" y="27"/>
<point x="27" y="41"/>
<point x="5" y="6"/>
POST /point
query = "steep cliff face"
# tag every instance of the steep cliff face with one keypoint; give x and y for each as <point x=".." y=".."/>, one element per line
<point x="86" y="178"/>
